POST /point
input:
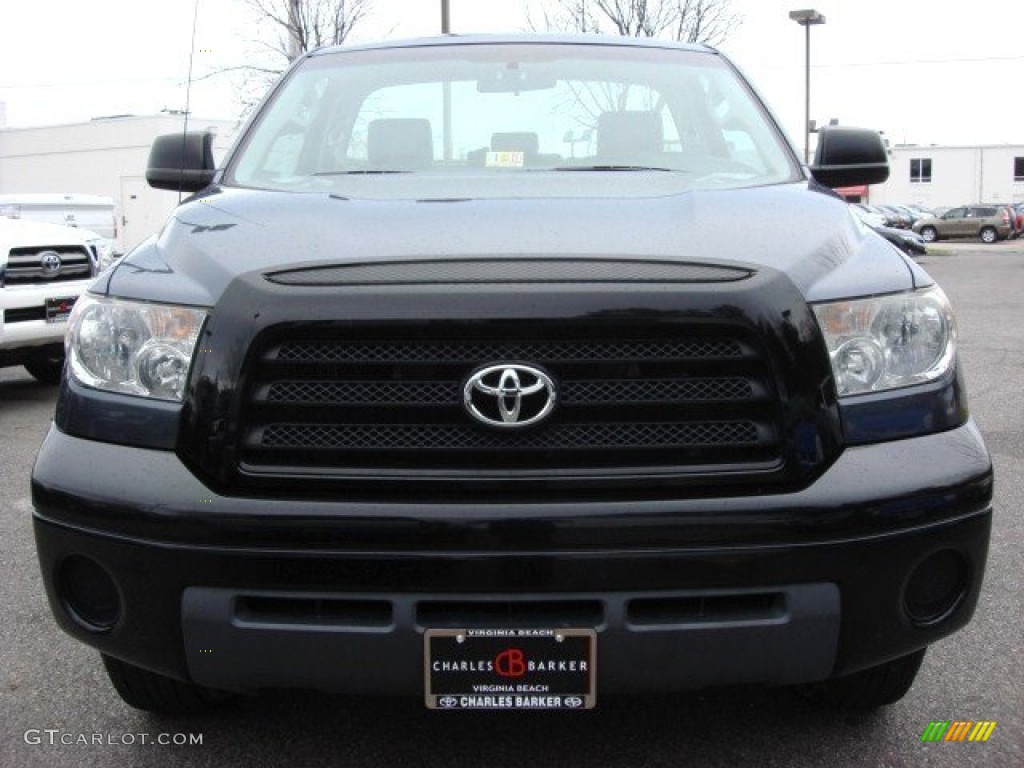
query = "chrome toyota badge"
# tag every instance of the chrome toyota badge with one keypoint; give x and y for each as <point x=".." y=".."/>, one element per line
<point x="50" y="262"/>
<point x="509" y="395"/>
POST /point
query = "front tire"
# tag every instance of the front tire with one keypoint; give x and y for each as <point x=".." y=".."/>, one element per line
<point x="870" y="688"/>
<point x="929" y="234"/>
<point x="46" y="368"/>
<point x="157" y="693"/>
<point x="988" y="235"/>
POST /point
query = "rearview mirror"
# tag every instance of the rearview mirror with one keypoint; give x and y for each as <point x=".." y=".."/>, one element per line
<point x="515" y="80"/>
<point x="849" y="157"/>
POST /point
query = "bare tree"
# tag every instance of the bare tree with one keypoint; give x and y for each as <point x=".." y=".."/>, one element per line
<point x="296" y="26"/>
<point x="639" y="18"/>
<point x="303" y="25"/>
<point x="691" y="21"/>
<point x="705" y="21"/>
<point x="562" y="16"/>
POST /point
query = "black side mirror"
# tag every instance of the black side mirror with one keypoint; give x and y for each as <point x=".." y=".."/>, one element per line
<point x="181" y="162"/>
<point x="848" y="157"/>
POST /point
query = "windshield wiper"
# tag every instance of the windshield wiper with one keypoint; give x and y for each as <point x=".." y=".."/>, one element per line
<point x="613" y="168"/>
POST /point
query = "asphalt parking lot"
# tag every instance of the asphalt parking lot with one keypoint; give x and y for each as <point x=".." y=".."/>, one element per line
<point x="57" y="709"/>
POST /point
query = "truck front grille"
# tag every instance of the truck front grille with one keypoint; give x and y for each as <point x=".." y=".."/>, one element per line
<point x="700" y="396"/>
<point x="47" y="264"/>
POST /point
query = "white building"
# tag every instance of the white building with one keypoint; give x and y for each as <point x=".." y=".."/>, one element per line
<point x="104" y="157"/>
<point x="950" y="176"/>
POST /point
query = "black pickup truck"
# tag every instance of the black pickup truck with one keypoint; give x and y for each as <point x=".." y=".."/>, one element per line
<point x="507" y="372"/>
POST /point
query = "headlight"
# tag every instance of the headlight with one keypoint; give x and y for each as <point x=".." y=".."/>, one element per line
<point x="131" y="347"/>
<point x="890" y="341"/>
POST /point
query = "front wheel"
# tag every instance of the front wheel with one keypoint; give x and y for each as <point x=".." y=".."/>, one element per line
<point x="870" y="688"/>
<point x="988" y="235"/>
<point x="929" y="234"/>
<point x="157" y="693"/>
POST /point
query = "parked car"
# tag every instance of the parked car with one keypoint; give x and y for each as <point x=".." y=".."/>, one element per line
<point x="512" y="429"/>
<point x="43" y="269"/>
<point x="907" y="241"/>
<point x="889" y="218"/>
<point x="868" y="215"/>
<point x="989" y="223"/>
<point x="1016" y="220"/>
<point x="897" y="217"/>
<point x="912" y="214"/>
<point x="922" y="212"/>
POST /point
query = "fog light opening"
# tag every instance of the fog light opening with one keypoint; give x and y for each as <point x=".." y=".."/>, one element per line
<point x="88" y="593"/>
<point x="936" y="588"/>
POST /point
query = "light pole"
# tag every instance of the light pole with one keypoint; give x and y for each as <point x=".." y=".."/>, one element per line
<point x="807" y="19"/>
<point x="445" y="18"/>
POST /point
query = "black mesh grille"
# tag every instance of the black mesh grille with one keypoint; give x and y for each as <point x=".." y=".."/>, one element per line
<point x="449" y="393"/>
<point x="373" y="401"/>
<point x="657" y="391"/>
<point x="475" y="352"/>
<point x="366" y="392"/>
<point x="312" y="437"/>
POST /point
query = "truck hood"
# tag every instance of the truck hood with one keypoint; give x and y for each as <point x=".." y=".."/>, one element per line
<point x="15" y="233"/>
<point x="807" y="234"/>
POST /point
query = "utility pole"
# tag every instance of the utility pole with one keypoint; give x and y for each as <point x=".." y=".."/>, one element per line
<point x="807" y="19"/>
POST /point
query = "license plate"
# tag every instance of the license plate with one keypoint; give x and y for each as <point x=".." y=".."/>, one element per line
<point x="510" y="668"/>
<point x="58" y="310"/>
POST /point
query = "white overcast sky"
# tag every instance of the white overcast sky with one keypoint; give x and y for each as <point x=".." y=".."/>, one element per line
<point x="924" y="72"/>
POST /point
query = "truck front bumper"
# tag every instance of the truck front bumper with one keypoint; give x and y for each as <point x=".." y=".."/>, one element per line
<point x="23" y="320"/>
<point x="869" y="563"/>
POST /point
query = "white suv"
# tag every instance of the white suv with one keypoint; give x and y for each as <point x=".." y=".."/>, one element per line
<point x="43" y="269"/>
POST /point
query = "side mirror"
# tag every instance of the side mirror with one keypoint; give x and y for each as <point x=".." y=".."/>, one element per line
<point x="181" y="162"/>
<point x="848" y="157"/>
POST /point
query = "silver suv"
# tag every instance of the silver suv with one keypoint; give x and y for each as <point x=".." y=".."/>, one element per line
<point x="987" y="222"/>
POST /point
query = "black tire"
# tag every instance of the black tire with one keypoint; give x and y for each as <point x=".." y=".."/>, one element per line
<point x="988" y="235"/>
<point x="46" y="368"/>
<point x="152" y="692"/>
<point x="870" y="688"/>
<point x="929" y="234"/>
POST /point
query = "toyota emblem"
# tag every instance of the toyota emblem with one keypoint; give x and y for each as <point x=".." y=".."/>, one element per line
<point x="509" y="396"/>
<point x="50" y="262"/>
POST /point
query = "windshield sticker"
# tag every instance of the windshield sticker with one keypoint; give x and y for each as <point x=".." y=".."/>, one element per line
<point x="505" y="159"/>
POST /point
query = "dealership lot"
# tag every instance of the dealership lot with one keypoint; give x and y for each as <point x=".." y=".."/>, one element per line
<point x="57" y="709"/>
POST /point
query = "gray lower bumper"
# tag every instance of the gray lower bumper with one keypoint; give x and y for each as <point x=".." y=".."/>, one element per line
<point x="374" y="643"/>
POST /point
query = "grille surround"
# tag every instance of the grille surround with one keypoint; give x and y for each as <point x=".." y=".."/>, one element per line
<point x="770" y="369"/>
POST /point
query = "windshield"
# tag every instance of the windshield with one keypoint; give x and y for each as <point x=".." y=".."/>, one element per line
<point x="510" y="119"/>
